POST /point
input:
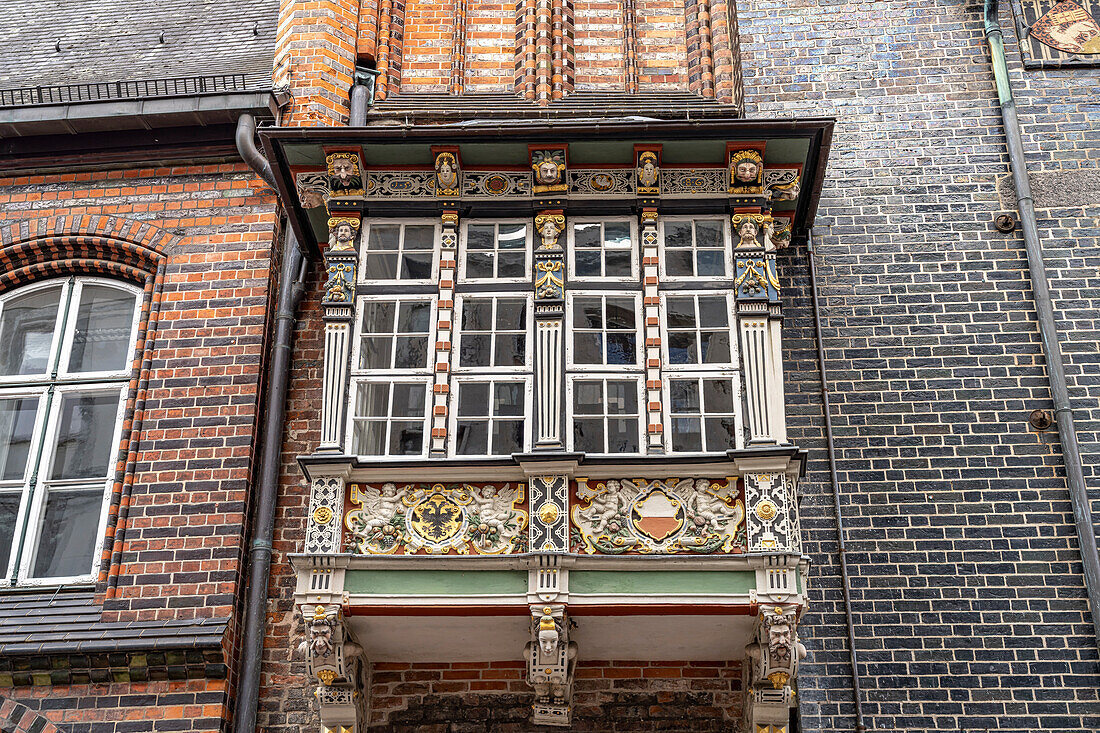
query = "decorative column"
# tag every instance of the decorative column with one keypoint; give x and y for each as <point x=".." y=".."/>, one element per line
<point x="338" y="312"/>
<point x="647" y="184"/>
<point x="549" y="332"/>
<point x="772" y="666"/>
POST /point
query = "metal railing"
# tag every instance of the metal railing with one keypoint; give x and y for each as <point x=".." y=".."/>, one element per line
<point x="144" y="89"/>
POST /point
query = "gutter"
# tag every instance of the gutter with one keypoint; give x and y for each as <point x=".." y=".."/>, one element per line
<point x="291" y="290"/>
<point x="1048" y="329"/>
<point x="826" y="408"/>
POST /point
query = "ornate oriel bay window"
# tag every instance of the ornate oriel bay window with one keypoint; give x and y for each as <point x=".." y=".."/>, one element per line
<point x="553" y="417"/>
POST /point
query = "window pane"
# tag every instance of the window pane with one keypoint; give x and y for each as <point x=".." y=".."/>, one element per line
<point x="380" y="266"/>
<point x="616" y="234"/>
<point x="26" y="331"/>
<point x="717" y="396"/>
<point x="406" y="438"/>
<point x="678" y="234"/>
<point x="480" y="236"/>
<point x="473" y="399"/>
<point x="101" y="340"/>
<point x="414" y="317"/>
<point x="680" y="312"/>
<point x="376" y="352"/>
<point x="681" y="347"/>
<point x="587" y="263"/>
<point x="712" y="263"/>
<point x="512" y="236"/>
<point x="716" y="347"/>
<point x="383" y="237"/>
<point x="588" y="348"/>
<point x="708" y="234"/>
<point x="408" y="400"/>
<point x="373" y="400"/>
<point x="622" y="398"/>
<point x="507" y="437"/>
<point x="9" y="507"/>
<point x="479" y="264"/>
<point x="622" y="436"/>
<point x="712" y="312"/>
<point x="587" y="398"/>
<point x="475" y="350"/>
<point x="412" y="352"/>
<point x="67" y="534"/>
<point x="678" y="263"/>
<point x="477" y="315"/>
<point x="620" y="313"/>
<point x="512" y="314"/>
<point x="511" y="264"/>
<point x="685" y="434"/>
<point x="85" y="435"/>
<point x="16" y="427"/>
<point x="473" y="438"/>
<point x="720" y="433"/>
<point x="508" y="399"/>
<point x="587" y="313"/>
<point x="684" y="395"/>
<point x="511" y="350"/>
<point x="621" y="348"/>
<point x="586" y="235"/>
<point x="618" y="263"/>
<point x="416" y="266"/>
<point x="419" y="236"/>
<point x="588" y="435"/>
<point x="378" y="317"/>
<point x="370" y="437"/>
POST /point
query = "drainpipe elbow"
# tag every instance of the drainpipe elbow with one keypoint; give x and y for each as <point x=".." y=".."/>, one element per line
<point x="246" y="146"/>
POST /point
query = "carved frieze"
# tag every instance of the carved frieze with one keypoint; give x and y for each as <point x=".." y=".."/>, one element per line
<point x="640" y="516"/>
<point x="495" y="184"/>
<point x="488" y="519"/>
<point x="326" y="502"/>
<point x="601" y="182"/>
<point x="401" y="184"/>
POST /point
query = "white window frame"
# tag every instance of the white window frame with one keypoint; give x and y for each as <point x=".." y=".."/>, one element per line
<point x="462" y="251"/>
<point x="401" y="224"/>
<point x="633" y="249"/>
<point x="349" y="434"/>
<point x="460" y="333"/>
<point x="606" y="376"/>
<point x="43" y="443"/>
<point x="738" y="413"/>
<point x="639" y="331"/>
<point x="727" y="249"/>
<point x="432" y="333"/>
<point x="492" y="379"/>
<point x="666" y="331"/>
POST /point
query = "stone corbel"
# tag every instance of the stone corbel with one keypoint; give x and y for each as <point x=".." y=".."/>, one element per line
<point x="336" y="664"/>
<point x="772" y="666"/>
<point x="745" y="168"/>
<point x="548" y="164"/>
<point x="551" y="661"/>
<point x="338" y="311"/>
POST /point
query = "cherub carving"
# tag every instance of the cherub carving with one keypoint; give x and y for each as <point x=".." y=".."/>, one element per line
<point x="379" y="507"/>
<point x="603" y="507"/>
<point x="707" y="506"/>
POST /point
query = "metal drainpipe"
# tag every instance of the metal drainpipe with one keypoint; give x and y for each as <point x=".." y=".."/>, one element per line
<point x="1048" y="329"/>
<point x="827" y="409"/>
<point x="291" y="289"/>
<point x="362" y="96"/>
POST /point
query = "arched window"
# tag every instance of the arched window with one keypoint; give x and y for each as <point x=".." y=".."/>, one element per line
<point x="66" y="353"/>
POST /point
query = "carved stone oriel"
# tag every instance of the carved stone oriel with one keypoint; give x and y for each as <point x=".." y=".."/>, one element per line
<point x="437" y="519"/>
<point x="551" y="661"/>
<point x="685" y="516"/>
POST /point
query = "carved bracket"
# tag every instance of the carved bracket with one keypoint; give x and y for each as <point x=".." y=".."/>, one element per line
<point x="551" y="661"/>
<point x="772" y="665"/>
<point x="336" y="663"/>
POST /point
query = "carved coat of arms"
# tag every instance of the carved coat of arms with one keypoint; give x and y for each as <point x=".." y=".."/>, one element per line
<point x="1059" y="32"/>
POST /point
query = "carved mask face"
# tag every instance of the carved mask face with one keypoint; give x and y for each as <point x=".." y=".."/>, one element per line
<point x="344" y="234"/>
<point x="321" y="639"/>
<point x="748" y="230"/>
<point x="648" y="175"/>
<point x="548" y="640"/>
<point x="445" y="174"/>
<point x="343" y="170"/>
<point x="746" y="172"/>
<point x="779" y="641"/>
<point x="549" y="231"/>
<point x="548" y="172"/>
<point x="312" y="198"/>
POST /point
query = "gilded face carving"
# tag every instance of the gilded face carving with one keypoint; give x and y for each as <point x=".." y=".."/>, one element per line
<point x="748" y="231"/>
<point x="746" y="172"/>
<point x="343" y="170"/>
<point x="647" y="173"/>
<point x="548" y="172"/>
<point x="446" y="177"/>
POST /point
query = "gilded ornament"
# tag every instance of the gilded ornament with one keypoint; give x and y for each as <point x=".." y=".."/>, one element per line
<point x="342" y="231"/>
<point x="345" y="175"/>
<point x="549" y="170"/>
<point x="323" y="515"/>
<point x="649" y="175"/>
<point x="766" y="510"/>
<point x="548" y="513"/>
<point x="550" y="227"/>
<point x="327" y="676"/>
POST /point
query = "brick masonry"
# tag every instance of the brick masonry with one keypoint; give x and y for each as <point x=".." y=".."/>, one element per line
<point x="968" y="596"/>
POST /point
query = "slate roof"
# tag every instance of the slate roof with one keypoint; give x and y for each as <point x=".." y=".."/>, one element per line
<point x="120" y="40"/>
<point x="676" y="104"/>
<point x="40" y="621"/>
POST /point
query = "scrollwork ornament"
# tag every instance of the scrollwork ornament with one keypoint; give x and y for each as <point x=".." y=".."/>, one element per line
<point x="549" y="284"/>
<point x="340" y="285"/>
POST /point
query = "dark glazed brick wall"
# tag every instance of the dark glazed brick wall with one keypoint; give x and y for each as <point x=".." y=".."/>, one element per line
<point x="967" y="589"/>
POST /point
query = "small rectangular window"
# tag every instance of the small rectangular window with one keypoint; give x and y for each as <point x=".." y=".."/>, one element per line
<point x="695" y="248"/>
<point x="490" y="417"/>
<point x="702" y="414"/>
<point x="497" y="251"/>
<point x="390" y="418"/>
<point x="698" y="331"/>
<point x="606" y="415"/>
<point x="493" y="332"/>
<point x="604" y="329"/>
<point x="603" y="250"/>
<point x="399" y="252"/>
<point x="395" y="333"/>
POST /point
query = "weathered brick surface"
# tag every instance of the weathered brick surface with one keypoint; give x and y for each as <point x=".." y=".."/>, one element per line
<point x="967" y="590"/>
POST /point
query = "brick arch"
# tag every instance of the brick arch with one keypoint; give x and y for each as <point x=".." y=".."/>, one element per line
<point x="91" y="245"/>
<point x="18" y="718"/>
